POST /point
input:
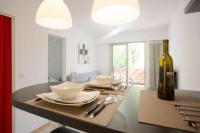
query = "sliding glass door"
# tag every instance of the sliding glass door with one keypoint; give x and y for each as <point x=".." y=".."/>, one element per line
<point x="119" y="61"/>
<point x="136" y="56"/>
<point x="128" y="62"/>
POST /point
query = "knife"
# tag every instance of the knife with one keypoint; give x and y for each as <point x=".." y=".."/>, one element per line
<point x="189" y="114"/>
<point x="97" y="110"/>
<point x="92" y="108"/>
<point x="186" y="105"/>
<point x="107" y="101"/>
<point x="186" y="118"/>
<point x="193" y="124"/>
<point x="187" y="109"/>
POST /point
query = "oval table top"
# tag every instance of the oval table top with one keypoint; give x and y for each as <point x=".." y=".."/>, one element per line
<point x="125" y="120"/>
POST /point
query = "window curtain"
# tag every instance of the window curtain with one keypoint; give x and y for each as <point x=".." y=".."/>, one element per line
<point x="5" y="75"/>
<point x="153" y="50"/>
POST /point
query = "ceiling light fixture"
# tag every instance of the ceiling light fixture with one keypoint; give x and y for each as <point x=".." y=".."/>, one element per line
<point x="54" y="14"/>
<point x="115" y="12"/>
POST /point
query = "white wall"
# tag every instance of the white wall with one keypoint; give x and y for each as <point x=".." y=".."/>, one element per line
<point x="184" y="34"/>
<point x="103" y="58"/>
<point x="31" y="53"/>
<point x="137" y="36"/>
<point x="73" y="37"/>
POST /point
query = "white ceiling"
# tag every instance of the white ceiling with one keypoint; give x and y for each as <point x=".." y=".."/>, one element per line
<point x="154" y="14"/>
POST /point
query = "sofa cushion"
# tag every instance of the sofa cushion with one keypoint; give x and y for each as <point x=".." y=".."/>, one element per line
<point x="85" y="77"/>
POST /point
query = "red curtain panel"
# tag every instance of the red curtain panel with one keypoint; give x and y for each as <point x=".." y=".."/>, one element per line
<point x="5" y="74"/>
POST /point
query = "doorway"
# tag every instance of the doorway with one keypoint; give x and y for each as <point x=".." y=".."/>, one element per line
<point x="56" y="59"/>
<point x="128" y="61"/>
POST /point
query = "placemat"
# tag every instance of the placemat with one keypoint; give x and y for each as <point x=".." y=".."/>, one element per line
<point x="102" y="118"/>
<point x="160" y="112"/>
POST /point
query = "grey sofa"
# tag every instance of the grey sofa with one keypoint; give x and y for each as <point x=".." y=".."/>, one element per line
<point x="82" y="77"/>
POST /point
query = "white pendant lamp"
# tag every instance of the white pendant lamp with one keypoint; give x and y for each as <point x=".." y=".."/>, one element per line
<point x="54" y="14"/>
<point x="115" y="12"/>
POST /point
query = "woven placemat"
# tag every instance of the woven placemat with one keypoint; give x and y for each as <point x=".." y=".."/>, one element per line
<point x="160" y="112"/>
<point x="102" y="118"/>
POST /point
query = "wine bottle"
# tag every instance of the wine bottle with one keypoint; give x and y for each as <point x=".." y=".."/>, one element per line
<point x="166" y="75"/>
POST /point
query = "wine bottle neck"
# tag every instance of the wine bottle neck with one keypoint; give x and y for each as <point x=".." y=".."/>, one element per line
<point x="165" y="47"/>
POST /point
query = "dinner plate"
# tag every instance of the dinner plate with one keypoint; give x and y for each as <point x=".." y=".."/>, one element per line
<point x="94" y="83"/>
<point x="82" y="99"/>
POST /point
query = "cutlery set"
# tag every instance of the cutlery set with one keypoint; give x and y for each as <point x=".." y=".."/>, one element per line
<point x="190" y="114"/>
<point x="92" y="108"/>
<point x="98" y="107"/>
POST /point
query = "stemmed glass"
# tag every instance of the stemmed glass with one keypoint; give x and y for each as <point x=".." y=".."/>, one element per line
<point x="116" y="84"/>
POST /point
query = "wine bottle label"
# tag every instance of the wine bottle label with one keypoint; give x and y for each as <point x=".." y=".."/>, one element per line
<point x="161" y="72"/>
<point x="170" y="80"/>
<point x="170" y="73"/>
<point x="166" y="84"/>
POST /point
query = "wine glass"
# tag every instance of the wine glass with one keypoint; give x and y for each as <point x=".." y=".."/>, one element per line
<point x="116" y="85"/>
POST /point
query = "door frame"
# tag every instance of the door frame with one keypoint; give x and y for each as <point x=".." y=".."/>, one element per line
<point x="64" y="55"/>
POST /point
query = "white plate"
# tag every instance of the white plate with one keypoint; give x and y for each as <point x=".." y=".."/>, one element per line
<point x="94" y="83"/>
<point x="81" y="98"/>
<point x="73" y="103"/>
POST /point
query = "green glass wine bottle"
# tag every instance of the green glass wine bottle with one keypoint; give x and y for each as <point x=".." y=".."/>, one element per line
<point x="166" y="75"/>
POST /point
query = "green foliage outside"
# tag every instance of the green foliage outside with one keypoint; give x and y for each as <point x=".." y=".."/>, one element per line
<point x="119" y="57"/>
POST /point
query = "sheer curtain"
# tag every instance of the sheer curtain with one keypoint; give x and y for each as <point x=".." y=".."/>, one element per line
<point x="153" y="50"/>
<point x="5" y="75"/>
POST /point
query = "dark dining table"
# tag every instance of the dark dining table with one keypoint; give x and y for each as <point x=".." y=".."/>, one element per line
<point x="124" y="120"/>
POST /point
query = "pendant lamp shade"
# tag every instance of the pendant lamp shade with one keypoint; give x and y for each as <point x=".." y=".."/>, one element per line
<point x="54" y="14"/>
<point x="115" y="12"/>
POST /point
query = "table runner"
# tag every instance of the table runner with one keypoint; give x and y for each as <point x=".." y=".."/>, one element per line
<point x="102" y="118"/>
<point x="159" y="112"/>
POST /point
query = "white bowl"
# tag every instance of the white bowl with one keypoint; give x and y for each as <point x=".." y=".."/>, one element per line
<point x="103" y="79"/>
<point x="67" y="90"/>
